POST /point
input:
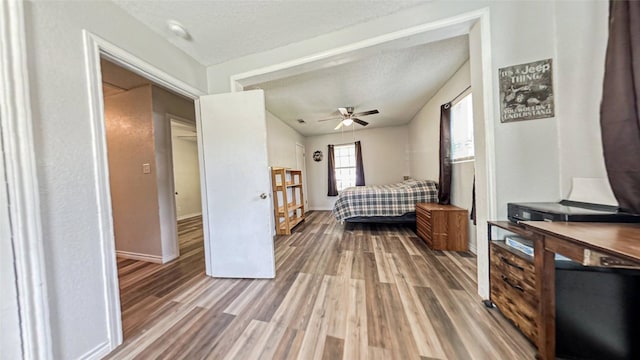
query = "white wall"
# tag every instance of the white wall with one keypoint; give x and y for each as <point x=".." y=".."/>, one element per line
<point x="65" y="159"/>
<point x="424" y="145"/>
<point x="281" y="142"/>
<point x="186" y="174"/>
<point x="582" y="31"/>
<point x="384" y="156"/>
<point x="424" y="128"/>
<point x="462" y="194"/>
<point x="10" y="340"/>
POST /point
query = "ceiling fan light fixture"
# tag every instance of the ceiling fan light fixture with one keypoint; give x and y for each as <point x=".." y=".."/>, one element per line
<point x="347" y="122"/>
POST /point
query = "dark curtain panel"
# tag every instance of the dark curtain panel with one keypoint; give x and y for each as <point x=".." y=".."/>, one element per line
<point x="620" y="108"/>
<point x="472" y="215"/>
<point x="444" y="186"/>
<point x="359" y="166"/>
<point x="331" y="180"/>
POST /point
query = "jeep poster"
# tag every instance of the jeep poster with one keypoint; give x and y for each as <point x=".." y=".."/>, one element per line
<point x="526" y="91"/>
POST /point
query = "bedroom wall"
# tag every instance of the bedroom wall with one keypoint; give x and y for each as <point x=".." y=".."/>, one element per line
<point x="65" y="160"/>
<point x="384" y="154"/>
<point x="424" y="128"/>
<point x="281" y="142"/>
<point x="134" y="194"/>
<point x="424" y="140"/>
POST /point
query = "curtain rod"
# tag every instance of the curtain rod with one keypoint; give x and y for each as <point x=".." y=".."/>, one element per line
<point x="462" y="92"/>
<point x="349" y="143"/>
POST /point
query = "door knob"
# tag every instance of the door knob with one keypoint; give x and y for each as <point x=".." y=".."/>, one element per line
<point x="263" y="196"/>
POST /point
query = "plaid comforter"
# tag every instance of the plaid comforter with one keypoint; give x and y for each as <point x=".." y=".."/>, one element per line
<point x="384" y="200"/>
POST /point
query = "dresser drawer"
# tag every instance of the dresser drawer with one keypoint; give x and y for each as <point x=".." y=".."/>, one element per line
<point x="518" y="268"/>
<point x="516" y="304"/>
<point x="512" y="286"/>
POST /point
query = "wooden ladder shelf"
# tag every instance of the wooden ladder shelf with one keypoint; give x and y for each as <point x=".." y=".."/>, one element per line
<point x="287" y="189"/>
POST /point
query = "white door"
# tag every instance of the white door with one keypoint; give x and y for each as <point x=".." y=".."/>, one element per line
<point x="301" y="164"/>
<point x="234" y="151"/>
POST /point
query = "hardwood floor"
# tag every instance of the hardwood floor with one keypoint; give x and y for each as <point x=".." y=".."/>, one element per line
<point x="341" y="291"/>
<point x="144" y="286"/>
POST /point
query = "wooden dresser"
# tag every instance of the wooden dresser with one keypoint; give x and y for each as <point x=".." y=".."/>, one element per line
<point x="443" y="227"/>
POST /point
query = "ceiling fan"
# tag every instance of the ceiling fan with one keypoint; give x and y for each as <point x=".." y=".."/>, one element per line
<point x="348" y="117"/>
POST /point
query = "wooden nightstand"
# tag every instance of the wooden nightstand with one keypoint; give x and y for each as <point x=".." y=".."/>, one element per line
<point x="443" y="227"/>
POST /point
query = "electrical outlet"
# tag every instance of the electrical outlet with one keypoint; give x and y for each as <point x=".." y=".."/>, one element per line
<point x="146" y="168"/>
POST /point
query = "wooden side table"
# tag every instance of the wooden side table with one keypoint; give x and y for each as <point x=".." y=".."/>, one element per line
<point x="443" y="227"/>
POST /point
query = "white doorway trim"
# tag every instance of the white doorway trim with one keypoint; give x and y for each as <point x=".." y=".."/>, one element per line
<point x="304" y="174"/>
<point x="22" y="213"/>
<point x="95" y="47"/>
<point x="477" y="25"/>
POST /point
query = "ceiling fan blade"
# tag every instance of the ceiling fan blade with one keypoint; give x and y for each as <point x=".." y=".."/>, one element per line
<point x="344" y="111"/>
<point x="365" y="113"/>
<point x="363" y="123"/>
<point x="339" y="126"/>
<point x="333" y="118"/>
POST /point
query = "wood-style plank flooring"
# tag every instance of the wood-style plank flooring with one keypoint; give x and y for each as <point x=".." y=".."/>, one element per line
<point x="341" y="292"/>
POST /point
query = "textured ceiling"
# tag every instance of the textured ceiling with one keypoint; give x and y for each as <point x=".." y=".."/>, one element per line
<point x="224" y="30"/>
<point x="116" y="79"/>
<point x="397" y="83"/>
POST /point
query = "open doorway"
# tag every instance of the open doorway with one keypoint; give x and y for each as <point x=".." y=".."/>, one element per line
<point x="159" y="241"/>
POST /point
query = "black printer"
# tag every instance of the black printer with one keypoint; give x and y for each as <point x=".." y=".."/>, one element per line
<point x="567" y="210"/>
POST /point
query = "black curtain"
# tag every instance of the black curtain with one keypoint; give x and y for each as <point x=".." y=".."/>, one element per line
<point x="620" y="108"/>
<point x="359" y="166"/>
<point x="472" y="215"/>
<point x="331" y="180"/>
<point x="444" y="186"/>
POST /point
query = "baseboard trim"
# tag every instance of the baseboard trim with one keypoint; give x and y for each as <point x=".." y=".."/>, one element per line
<point x="473" y="249"/>
<point x="188" y="216"/>
<point x="171" y="257"/>
<point x="137" y="256"/>
<point x="319" y="209"/>
<point x="97" y="352"/>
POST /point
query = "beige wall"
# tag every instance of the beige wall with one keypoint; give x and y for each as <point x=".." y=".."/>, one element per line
<point x="424" y="140"/>
<point x="130" y="143"/>
<point x="139" y="132"/>
<point x="384" y="156"/>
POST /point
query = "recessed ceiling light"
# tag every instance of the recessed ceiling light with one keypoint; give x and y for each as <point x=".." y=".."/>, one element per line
<point x="178" y="29"/>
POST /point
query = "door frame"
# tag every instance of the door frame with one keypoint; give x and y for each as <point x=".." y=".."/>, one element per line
<point x="185" y="122"/>
<point x="304" y="173"/>
<point x="30" y="308"/>
<point x="96" y="47"/>
<point x="476" y="24"/>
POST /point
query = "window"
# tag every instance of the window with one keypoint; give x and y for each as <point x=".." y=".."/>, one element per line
<point x="345" y="156"/>
<point x="462" y="130"/>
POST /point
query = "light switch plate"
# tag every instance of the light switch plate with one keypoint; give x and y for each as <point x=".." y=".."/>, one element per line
<point x="146" y="168"/>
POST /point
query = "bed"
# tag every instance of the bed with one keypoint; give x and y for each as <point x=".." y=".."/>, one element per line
<point x="384" y="203"/>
